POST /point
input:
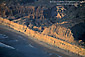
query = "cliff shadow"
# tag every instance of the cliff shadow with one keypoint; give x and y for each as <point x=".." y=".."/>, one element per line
<point x="79" y="31"/>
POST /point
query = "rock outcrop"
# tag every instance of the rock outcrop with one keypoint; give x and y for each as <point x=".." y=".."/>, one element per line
<point x="48" y="20"/>
<point x="44" y="38"/>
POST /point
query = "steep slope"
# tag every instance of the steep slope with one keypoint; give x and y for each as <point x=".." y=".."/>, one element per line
<point x="65" y="22"/>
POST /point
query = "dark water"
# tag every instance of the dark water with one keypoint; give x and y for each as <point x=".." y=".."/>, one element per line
<point x="15" y="45"/>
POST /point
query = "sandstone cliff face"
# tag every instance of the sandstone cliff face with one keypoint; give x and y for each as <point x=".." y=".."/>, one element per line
<point x="50" y="23"/>
<point x="59" y="32"/>
<point x="44" y="38"/>
<point x="54" y="20"/>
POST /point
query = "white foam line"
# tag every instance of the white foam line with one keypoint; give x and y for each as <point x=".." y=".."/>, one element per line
<point x="4" y="45"/>
<point x="21" y="37"/>
<point x="31" y="46"/>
